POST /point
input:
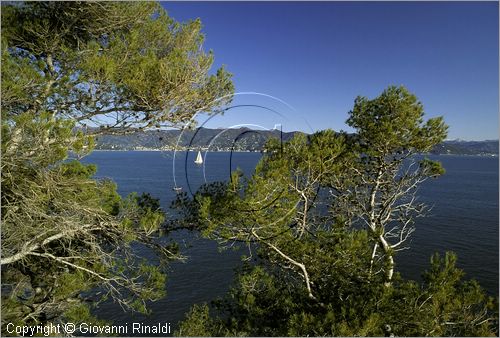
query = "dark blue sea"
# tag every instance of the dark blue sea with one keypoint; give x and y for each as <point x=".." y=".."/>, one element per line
<point x="464" y="219"/>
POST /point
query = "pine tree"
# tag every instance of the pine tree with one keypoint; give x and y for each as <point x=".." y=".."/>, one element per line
<point x="114" y="66"/>
<point x="317" y="210"/>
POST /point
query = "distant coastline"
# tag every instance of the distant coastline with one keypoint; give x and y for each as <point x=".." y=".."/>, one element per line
<point x="218" y="140"/>
<point x="181" y="150"/>
<point x="248" y="151"/>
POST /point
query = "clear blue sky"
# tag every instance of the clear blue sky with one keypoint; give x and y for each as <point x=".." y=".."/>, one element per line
<point x="319" y="56"/>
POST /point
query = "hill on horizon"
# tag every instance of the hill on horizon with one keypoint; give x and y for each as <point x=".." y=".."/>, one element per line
<point x="246" y="139"/>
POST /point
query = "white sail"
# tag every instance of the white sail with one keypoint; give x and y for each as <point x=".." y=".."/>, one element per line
<point x="199" y="159"/>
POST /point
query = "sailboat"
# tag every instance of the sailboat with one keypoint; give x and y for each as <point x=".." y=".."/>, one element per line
<point x="199" y="159"/>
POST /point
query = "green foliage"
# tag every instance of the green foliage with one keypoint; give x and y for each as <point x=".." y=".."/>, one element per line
<point x="390" y="131"/>
<point x="81" y="313"/>
<point x="394" y="122"/>
<point x="66" y="237"/>
<point x="41" y="138"/>
<point x="62" y="233"/>
<point x="326" y="215"/>
<point x="443" y="305"/>
<point x="86" y="60"/>
<point x="198" y="324"/>
<point x="268" y="303"/>
<point x="431" y="168"/>
<point x="77" y="169"/>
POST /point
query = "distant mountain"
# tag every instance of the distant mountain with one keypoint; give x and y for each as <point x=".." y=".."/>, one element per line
<point x="459" y="147"/>
<point x="242" y="139"/>
<point x="245" y="139"/>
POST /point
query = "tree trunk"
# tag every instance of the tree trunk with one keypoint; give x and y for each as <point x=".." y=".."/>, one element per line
<point x="389" y="260"/>
<point x="374" y="253"/>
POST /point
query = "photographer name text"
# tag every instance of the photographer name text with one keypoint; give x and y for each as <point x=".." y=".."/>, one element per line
<point x="87" y="328"/>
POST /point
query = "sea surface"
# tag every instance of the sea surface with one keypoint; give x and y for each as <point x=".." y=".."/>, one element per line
<point x="464" y="219"/>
